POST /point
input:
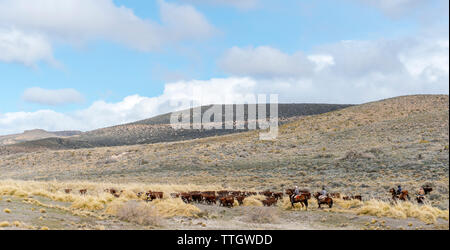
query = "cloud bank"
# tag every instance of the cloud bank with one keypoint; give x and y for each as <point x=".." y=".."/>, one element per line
<point x="52" y="97"/>
<point x="28" y="29"/>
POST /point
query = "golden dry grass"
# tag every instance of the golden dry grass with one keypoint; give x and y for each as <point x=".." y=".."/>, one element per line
<point x="403" y="210"/>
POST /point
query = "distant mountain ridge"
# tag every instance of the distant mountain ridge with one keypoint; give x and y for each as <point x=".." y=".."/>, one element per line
<point x="154" y="130"/>
<point x="35" y="134"/>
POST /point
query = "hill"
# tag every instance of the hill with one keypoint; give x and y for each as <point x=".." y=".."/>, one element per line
<point x="153" y="130"/>
<point x="362" y="149"/>
<point x="31" y="135"/>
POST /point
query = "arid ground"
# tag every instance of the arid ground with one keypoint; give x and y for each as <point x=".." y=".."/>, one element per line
<point x="358" y="150"/>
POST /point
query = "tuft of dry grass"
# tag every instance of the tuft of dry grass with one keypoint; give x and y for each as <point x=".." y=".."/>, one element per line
<point x="138" y="212"/>
<point x="252" y="201"/>
<point x="87" y="203"/>
<point x="175" y="207"/>
<point x="5" y="224"/>
<point x="7" y="210"/>
<point x="403" y="210"/>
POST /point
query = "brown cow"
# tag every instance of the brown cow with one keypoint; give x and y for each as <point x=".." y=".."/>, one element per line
<point x="335" y="195"/>
<point x="267" y="193"/>
<point x="223" y="193"/>
<point x="67" y="190"/>
<point x="357" y="197"/>
<point x="196" y="196"/>
<point x="150" y="196"/>
<point x="346" y="198"/>
<point x="83" y="191"/>
<point x="327" y="200"/>
<point x="240" y="199"/>
<point x="209" y="198"/>
<point x="277" y="195"/>
<point x="175" y="195"/>
<point x="269" y="201"/>
<point x="186" y="197"/>
<point x="227" y="201"/>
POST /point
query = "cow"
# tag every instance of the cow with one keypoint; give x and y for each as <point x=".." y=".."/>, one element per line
<point x="227" y="201"/>
<point x="175" y="195"/>
<point x="356" y="197"/>
<point x="209" y="198"/>
<point x="83" y="191"/>
<point x="186" y="197"/>
<point x="196" y="196"/>
<point x="240" y="199"/>
<point x="150" y="196"/>
<point x="335" y="195"/>
<point x="277" y="195"/>
<point x="267" y="193"/>
<point x="223" y="193"/>
<point x="269" y="201"/>
<point x="67" y="190"/>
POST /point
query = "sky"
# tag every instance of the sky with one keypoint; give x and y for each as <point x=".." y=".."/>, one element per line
<point x="88" y="64"/>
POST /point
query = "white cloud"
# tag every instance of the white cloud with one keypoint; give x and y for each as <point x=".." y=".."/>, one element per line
<point x="18" y="47"/>
<point x="80" y="21"/>
<point x="52" y="97"/>
<point x="346" y="72"/>
<point x="241" y="4"/>
<point x="100" y="114"/>
<point x="265" y="61"/>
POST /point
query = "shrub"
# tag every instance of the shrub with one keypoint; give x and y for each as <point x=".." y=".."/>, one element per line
<point x="138" y="212"/>
<point x="252" y="201"/>
<point x="4" y="224"/>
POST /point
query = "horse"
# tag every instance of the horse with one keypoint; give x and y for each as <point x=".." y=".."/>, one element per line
<point x="427" y="189"/>
<point x="420" y="199"/>
<point x="402" y="196"/>
<point x="327" y="200"/>
<point x="301" y="198"/>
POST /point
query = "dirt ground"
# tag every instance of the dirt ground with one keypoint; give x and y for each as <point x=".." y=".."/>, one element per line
<point x="23" y="216"/>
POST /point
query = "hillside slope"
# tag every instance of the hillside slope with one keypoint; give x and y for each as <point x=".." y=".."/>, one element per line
<point x="154" y="130"/>
<point x="361" y="149"/>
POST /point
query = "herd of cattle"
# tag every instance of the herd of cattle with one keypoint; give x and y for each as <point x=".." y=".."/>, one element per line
<point x="227" y="198"/>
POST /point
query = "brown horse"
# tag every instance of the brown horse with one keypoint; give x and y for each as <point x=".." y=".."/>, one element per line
<point x="302" y="198"/>
<point x="327" y="200"/>
<point x="427" y="189"/>
<point x="402" y="196"/>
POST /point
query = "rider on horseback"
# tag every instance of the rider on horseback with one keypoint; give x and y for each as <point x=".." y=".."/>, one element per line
<point x="296" y="192"/>
<point x="399" y="190"/>
<point x="323" y="194"/>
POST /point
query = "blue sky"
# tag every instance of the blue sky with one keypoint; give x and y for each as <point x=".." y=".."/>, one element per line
<point x="104" y="62"/>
